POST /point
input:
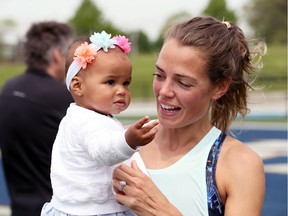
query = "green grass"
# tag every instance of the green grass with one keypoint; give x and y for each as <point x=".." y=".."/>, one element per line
<point x="275" y="66"/>
<point x="273" y="76"/>
<point x="129" y="119"/>
<point x="8" y="70"/>
<point x="275" y="61"/>
<point x="142" y="77"/>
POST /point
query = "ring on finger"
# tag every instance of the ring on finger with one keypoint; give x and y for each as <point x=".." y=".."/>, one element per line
<point x="122" y="184"/>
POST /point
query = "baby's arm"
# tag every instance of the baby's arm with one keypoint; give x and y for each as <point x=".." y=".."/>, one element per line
<point x="139" y="134"/>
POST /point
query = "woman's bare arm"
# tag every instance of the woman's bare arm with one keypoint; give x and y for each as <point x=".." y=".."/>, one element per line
<point x="241" y="173"/>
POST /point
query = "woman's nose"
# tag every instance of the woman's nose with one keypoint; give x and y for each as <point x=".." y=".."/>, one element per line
<point x="166" y="89"/>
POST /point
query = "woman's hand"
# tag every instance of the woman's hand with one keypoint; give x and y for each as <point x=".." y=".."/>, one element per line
<point x="140" y="194"/>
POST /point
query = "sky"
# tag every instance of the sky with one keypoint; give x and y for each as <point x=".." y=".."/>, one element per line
<point x="131" y="15"/>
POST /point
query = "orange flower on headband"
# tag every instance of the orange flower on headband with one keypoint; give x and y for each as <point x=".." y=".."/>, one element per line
<point x="84" y="54"/>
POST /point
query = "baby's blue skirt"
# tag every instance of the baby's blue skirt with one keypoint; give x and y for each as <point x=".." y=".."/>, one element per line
<point x="49" y="210"/>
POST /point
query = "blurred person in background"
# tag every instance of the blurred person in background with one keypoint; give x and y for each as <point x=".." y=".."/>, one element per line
<point x="32" y="106"/>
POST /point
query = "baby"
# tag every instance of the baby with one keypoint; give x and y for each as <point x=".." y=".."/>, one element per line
<point x="91" y="141"/>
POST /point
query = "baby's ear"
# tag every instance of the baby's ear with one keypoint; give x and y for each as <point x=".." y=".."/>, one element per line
<point x="76" y="85"/>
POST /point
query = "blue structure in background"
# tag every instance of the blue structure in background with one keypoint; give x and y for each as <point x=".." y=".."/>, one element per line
<point x="4" y="197"/>
<point x="276" y="184"/>
<point x="275" y="203"/>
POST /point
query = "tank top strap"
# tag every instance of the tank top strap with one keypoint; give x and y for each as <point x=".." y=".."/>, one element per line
<point x="215" y="204"/>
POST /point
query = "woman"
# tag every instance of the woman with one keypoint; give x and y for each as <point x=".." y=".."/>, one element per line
<point x="200" y="85"/>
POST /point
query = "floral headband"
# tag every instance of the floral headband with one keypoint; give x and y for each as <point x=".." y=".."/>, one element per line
<point x="86" y="53"/>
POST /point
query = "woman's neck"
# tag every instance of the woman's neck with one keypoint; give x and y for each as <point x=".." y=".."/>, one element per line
<point x="175" y="138"/>
<point x="170" y="145"/>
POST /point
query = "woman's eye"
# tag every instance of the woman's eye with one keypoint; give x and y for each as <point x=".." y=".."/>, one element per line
<point x="184" y="84"/>
<point x="157" y="75"/>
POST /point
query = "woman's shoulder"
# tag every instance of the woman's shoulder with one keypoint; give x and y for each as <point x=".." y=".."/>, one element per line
<point x="238" y="168"/>
<point x="238" y="161"/>
<point x="234" y="148"/>
<point x="235" y="152"/>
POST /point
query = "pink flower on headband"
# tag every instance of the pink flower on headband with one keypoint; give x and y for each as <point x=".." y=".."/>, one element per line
<point x="123" y="43"/>
<point x="84" y="54"/>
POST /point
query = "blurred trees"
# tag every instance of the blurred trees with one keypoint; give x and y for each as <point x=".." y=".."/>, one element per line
<point x="181" y="16"/>
<point x="6" y="26"/>
<point x="144" y="44"/>
<point x="219" y="10"/>
<point x="88" y="19"/>
<point x="215" y="8"/>
<point x="269" y="19"/>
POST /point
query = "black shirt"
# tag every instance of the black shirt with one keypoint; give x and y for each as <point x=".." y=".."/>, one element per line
<point x="31" y="108"/>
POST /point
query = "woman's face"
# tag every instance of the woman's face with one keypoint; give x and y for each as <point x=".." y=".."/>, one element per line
<point x="181" y="86"/>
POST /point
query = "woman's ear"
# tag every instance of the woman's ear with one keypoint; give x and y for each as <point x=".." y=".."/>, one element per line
<point x="221" y="88"/>
<point x="76" y="85"/>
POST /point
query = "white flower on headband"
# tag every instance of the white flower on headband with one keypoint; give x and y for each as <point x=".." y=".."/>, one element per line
<point x="102" y="40"/>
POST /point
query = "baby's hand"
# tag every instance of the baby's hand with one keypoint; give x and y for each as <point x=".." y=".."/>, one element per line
<point x="141" y="132"/>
